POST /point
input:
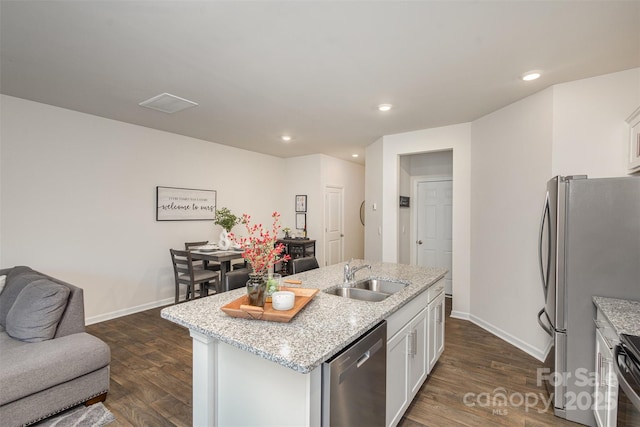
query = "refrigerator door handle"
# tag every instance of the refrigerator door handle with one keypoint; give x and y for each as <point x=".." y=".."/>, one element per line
<point x="545" y="217"/>
<point x="546" y="328"/>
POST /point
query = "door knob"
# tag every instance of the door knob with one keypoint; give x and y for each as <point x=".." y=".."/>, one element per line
<point x="341" y="235"/>
<point x="419" y="242"/>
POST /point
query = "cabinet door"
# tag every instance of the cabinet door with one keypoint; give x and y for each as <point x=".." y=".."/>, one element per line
<point x="606" y="389"/>
<point x="436" y="333"/>
<point x="398" y="375"/>
<point x="436" y="330"/>
<point x="418" y="357"/>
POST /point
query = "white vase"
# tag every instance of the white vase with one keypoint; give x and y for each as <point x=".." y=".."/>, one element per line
<point x="224" y="243"/>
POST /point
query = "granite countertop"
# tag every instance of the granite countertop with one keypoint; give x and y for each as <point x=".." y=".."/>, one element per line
<point x="321" y="329"/>
<point x="624" y="315"/>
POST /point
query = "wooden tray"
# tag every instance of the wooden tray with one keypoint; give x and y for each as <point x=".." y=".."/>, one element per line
<point x="241" y="308"/>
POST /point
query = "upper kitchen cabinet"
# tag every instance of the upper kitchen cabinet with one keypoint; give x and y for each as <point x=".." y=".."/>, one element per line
<point x="634" y="141"/>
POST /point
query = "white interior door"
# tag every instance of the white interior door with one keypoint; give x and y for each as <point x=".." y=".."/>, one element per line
<point x="333" y="220"/>
<point x="434" y="226"/>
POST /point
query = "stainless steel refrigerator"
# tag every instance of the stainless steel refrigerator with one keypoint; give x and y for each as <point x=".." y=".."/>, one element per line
<point x="589" y="245"/>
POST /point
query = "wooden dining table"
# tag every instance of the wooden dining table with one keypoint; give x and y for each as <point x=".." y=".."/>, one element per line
<point x="224" y="257"/>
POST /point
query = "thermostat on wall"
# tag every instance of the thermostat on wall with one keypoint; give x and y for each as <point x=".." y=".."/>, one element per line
<point x="404" y="202"/>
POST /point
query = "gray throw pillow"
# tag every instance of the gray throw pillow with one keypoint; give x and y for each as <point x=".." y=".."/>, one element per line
<point x="37" y="310"/>
<point x="17" y="279"/>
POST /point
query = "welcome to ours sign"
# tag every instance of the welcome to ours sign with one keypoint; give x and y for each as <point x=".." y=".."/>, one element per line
<point x="185" y="204"/>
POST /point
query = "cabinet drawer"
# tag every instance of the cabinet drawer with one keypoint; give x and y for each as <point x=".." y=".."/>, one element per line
<point x="400" y="318"/>
<point x="397" y="320"/>
<point x="606" y="329"/>
<point x="435" y="290"/>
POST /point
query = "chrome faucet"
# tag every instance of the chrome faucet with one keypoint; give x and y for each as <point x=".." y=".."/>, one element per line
<point x="349" y="272"/>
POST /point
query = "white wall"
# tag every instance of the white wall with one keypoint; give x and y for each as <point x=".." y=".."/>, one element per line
<point x="510" y="165"/>
<point x="590" y="135"/>
<point x="500" y="168"/>
<point x="404" y="214"/>
<point x="572" y="128"/>
<point x="303" y="177"/>
<point x="310" y="175"/>
<point x="373" y="197"/>
<point x="78" y="199"/>
<point x="383" y="161"/>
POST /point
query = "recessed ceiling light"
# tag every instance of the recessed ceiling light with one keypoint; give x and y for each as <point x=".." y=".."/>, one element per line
<point x="385" y="107"/>
<point x="354" y="155"/>
<point x="531" y="75"/>
<point x="286" y="138"/>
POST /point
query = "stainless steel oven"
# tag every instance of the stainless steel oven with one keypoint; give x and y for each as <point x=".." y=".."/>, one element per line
<point x="627" y="368"/>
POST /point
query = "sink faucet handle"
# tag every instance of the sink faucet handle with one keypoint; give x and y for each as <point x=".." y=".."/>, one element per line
<point x="347" y="272"/>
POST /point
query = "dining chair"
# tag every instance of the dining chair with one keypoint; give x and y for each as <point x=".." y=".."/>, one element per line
<point x="236" y="279"/>
<point x="185" y="274"/>
<point x="209" y="265"/>
<point x="243" y="265"/>
<point x="304" y="264"/>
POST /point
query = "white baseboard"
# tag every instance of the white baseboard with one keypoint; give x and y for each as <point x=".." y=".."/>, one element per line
<point x="460" y="315"/>
<point x="119" y="313"/>
<point x="530" y="350"/>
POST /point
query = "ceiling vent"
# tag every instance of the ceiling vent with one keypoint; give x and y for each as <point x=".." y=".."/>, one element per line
<point x="168" y="103"/>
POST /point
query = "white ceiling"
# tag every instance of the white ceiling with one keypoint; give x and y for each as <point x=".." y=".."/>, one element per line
<point x="312" y="69"/>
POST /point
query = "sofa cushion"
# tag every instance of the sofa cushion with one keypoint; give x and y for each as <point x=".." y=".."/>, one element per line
<point x="17" y="279"/>
<point x="36" y="311"/>
<point x="26" y="368"/>
<point x="3" y="279"/>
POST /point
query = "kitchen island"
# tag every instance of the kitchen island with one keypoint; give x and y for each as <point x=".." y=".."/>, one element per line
<point x="253" y="372"/>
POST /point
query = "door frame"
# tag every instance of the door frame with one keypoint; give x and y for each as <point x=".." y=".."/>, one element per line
<point x="413" y="214"/>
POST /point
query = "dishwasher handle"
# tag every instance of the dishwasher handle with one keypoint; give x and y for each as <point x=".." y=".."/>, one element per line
<point x="363" y="359"/>
<point x="347" y="370"/>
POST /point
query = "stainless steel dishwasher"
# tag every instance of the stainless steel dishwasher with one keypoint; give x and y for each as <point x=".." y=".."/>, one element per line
<point x="354" y="382"/>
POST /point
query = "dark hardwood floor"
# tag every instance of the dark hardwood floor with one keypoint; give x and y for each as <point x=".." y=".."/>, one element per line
<point x="151" y="378"/>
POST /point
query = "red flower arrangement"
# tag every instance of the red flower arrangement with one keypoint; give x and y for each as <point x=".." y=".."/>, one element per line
<point x="259" y="248"/>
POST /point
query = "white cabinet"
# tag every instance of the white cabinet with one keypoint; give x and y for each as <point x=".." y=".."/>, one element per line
<point x="606" y="385"/>
<point x="419" y="339"/>
<point x="406" y="365"/>
<point x="436" y="330"/>
<point x="397" y="376"/>
<point x="634" y="141"/>
<point x="409" y="353"/>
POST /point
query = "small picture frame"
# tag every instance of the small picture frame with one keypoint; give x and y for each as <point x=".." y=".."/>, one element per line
<point x="301" y="203"/>
<point x="404" y="201"/>
<point x="301" y="221"/>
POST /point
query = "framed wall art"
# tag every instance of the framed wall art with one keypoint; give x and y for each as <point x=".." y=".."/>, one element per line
<point x="301" y="203"/>
<point x="185" y="204"/>
<point x="301" y="221"/>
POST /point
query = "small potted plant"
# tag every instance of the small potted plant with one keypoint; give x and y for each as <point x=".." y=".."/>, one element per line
<point x="226" y="219"/>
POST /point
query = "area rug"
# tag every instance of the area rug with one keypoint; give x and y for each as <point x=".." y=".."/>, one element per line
<point x="95" y="415"/>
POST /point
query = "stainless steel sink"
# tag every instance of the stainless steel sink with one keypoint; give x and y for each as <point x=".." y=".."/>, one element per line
<point x="356" y="293"/>
<point x="380" y="285"/>
<point x="371" y="289"/>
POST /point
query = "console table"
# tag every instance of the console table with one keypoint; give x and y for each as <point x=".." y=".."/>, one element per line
<point x="296" y="248"/>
